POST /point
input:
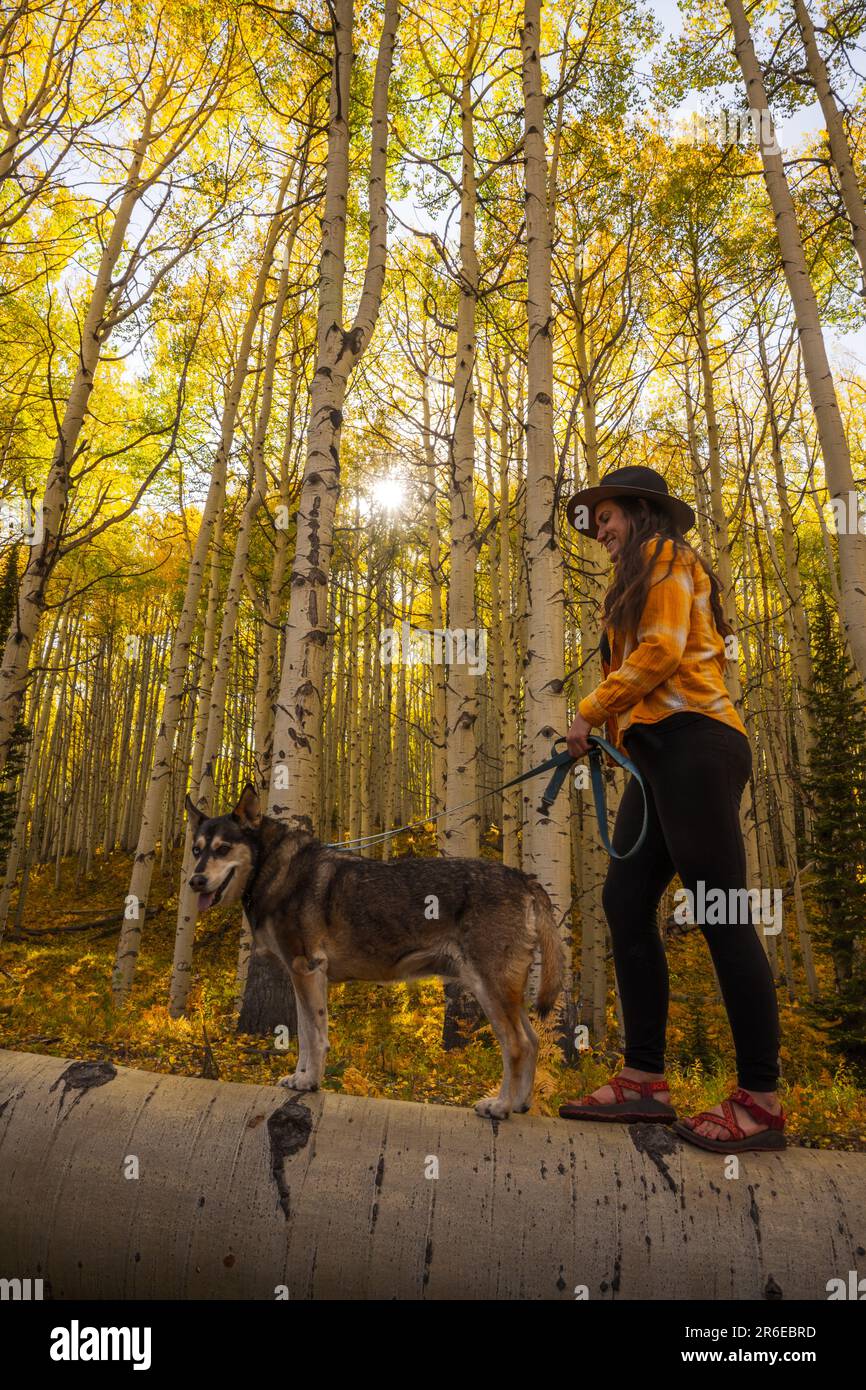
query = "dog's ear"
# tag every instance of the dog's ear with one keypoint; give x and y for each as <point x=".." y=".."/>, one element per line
<point x="248" y="810"/>
<point x="195" y="815"/>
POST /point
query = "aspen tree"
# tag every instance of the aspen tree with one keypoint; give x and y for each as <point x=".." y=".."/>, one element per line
<point x="545" y="837"/>
<point x="298" y="713"/>
<point x="219" y="686"/>
<point x="47" y="101"/>
<point x="840" y="149"/>
<point x="437" y="599"/>
<point x="593" y="972"/>
<point x="139" y="886"/>
<point x="462" y="826"/>
<point x="462" y="702"/>
<point x="819" y="377"/>
<point x="509" y="724"/>
<point x="180" y="101"/>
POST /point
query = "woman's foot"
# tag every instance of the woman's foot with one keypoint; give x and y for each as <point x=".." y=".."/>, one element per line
<point x="768" y="1100"/>
<point x="604" y="1094"/>
<point x="630" y="1097"/>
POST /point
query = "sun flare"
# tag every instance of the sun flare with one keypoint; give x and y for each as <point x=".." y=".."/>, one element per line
<point x="389" y="494"/>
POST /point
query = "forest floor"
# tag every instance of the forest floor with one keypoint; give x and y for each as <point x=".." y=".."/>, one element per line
<point x="55" y="998"/>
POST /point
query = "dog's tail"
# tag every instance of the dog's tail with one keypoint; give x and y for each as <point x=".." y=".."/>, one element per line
<point x="552" y="963"/>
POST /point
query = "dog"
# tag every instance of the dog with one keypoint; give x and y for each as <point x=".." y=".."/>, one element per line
<point x="329" y="915"/>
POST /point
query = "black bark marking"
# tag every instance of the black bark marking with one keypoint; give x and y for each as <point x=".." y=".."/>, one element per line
<point x="771" y="1289"/>
<point x="81" y="1076"/>
<point x="655" y="1141"/>
<point x="289" y="1130"/>
<point x="377" y="1183"/>
<point x="18" y="1095"/>
<point x="754" y="1213"/>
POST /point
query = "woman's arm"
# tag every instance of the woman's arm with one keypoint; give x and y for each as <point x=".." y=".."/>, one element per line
<point x="662" y="634"/>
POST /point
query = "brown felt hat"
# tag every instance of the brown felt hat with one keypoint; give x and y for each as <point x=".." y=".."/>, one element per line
<point x="634" y="480"/>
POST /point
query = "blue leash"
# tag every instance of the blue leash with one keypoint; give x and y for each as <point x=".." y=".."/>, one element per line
<point x="560" y="763"/>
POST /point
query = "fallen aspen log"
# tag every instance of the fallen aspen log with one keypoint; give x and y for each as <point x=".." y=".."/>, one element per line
<point x="117" y="1183"/>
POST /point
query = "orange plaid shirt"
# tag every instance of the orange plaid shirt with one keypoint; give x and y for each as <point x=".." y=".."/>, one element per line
<point x="678" y="662"/>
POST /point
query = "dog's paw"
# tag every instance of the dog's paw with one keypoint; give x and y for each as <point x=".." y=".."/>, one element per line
<point x="493" y="1108"/>
<point x="299" y="1081"/>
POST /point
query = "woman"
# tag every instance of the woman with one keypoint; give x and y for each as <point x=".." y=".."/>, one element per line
<point x="664" y="701"/>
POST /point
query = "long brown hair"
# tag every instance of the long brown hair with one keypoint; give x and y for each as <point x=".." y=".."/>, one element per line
<point x="625" y="599"/>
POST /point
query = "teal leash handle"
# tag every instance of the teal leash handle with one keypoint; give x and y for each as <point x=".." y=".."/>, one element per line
<point x="559" y="764"/>
<point x="564" y="761"/>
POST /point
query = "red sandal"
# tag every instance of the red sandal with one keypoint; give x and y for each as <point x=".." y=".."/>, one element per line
<point x="625" y="1111"/>
<point x="770" y="1138"/>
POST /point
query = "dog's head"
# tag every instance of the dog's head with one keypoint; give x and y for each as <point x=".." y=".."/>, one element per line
<point x="224" y="850"/>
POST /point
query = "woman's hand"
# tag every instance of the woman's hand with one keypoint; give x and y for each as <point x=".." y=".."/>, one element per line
<point x="575" y="739"/>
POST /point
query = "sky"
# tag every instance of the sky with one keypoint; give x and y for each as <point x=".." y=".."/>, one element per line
<point x="849" y="350"/>
<point x="846" y="349"/>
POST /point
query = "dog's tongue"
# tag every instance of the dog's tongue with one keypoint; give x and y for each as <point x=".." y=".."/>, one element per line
<point x="205" y="900"/>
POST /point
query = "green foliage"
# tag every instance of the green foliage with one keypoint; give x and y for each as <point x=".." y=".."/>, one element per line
<point x="385" y="1039"/>
<point x="837" y="784"/>
<point x="21" y="734"/>
<point x="697" y="1046"/>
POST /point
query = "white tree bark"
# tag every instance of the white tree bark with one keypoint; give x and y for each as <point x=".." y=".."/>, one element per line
<point x="546" y="843"/>
<point x="535" y="1206"/>
<point x="594" y="863"/>
<point x="461" y="835"/>
<point x="298" y="713"/>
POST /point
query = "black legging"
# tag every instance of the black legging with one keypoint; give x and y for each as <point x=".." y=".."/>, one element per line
<point x="694" y="769"/>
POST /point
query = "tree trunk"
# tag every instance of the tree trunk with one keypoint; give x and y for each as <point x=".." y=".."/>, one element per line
<point x="594" y="928"/>
<point x="289" y="1183"/>
<point x="298" y="715"/>
<point x="461" y="837"/>
<point x="546" y="847"/>
<point x="437" y="609"/>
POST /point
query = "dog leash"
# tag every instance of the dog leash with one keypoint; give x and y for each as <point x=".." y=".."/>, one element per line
<point x="559" y="764"/>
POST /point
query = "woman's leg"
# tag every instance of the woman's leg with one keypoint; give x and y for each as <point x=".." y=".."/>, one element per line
<point x="698" y="775"/>
<point x="632" y="891"/>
